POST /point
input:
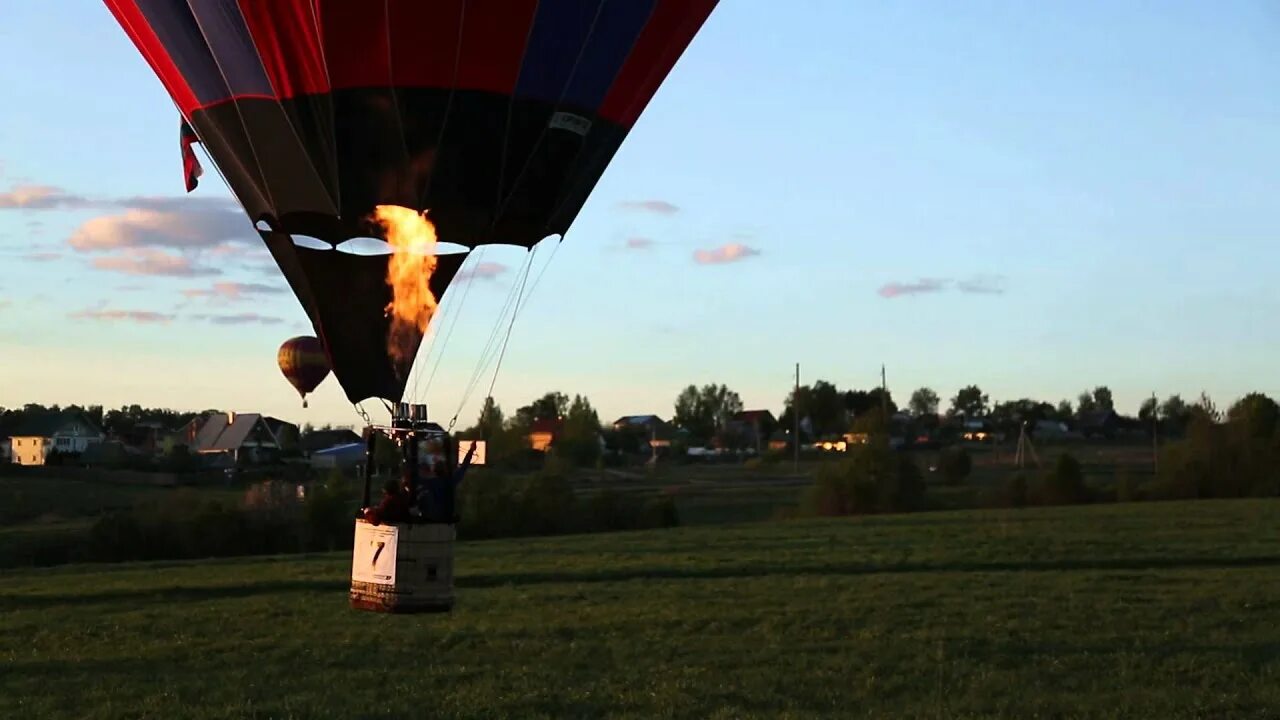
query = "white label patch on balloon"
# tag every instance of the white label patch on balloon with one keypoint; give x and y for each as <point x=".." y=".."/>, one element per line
<point x="573" y="123"/>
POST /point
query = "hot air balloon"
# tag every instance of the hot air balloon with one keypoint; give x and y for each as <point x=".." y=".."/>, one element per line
<point x="326" y="118"/>
<point x="303" y="363"/>
<point x="496" y="116"/>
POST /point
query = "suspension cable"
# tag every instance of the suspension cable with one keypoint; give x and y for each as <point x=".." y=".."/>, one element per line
<point x="524" y="278"/>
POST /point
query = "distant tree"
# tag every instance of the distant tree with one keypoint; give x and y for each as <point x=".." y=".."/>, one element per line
<point x="548" y="407"/>
<point x="888" y="404"/>
<point x="1086" y="404"/>
<point x="1102" y="399"/>
<point x="857" y="402"/>
<point x="1206" y="410"/>
<point x="1064" y="410"/>
<point x="1175" y="414"/>
<point x="690" y="415"/>
<point x="490" y="421"/>
<point x="705" y="412"/>
<point x="924" y="402"/>
<point x="579" y="440"/>
<point x="1256" y="415"/>
<point x="970" y="402"/>
<point x="1149" y="410"/>
<point x="826" y="409"/>
<point x="1012" y="414"/>
<point x="872" y="422"/>
<point x="804" y="403"/>
<point x="503" y="440"/>
<point x="1173" y="408"/>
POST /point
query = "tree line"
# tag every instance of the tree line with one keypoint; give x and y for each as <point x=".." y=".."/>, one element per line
<point x="704" y="416"/>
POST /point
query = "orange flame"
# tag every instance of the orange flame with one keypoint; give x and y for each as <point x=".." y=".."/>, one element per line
<point x="413" y="242"/>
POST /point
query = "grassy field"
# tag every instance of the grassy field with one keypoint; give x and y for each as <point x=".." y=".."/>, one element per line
<point x="1143" y="610"/>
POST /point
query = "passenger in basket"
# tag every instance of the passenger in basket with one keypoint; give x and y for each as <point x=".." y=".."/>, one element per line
<point x="394" y="507"/>
<point x="444" y="490"/>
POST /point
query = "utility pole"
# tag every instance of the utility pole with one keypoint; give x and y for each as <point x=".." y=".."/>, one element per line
<point x="1155" y="435"/>
<point x="884" y="396"/>
<point x="795" y="417"/>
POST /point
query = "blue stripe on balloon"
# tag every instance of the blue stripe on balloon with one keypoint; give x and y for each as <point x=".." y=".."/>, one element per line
<point x="232" y="45"/>
<point x="237" y="70"/>
<point x="615" y="33"/>
<point x="577" y="47"/>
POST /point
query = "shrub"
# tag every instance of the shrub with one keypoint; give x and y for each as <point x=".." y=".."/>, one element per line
<point x="955" y="464"/>
<point x="547" y="505"/>
<point x="611" y="510"/>
<point x="773" y="456"/>
<point x="328" y="514"/>
<point x="1126" y="487"/>
<point x="1016" y="495"/>
<point x="872" y="479"/>
<point x="659" y="512"/>
<point x="1064" y="485"/>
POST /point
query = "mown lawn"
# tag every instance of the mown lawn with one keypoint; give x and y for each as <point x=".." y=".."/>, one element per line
<point x="1148" y="610"/>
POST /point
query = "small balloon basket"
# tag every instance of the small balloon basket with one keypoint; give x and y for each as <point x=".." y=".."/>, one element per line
<point x="402" y="567"/>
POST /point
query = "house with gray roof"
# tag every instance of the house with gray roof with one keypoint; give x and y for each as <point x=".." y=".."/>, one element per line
<point x="241" y="438"/>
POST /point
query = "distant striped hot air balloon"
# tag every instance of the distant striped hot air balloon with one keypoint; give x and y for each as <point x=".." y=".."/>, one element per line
<point x="304" y="364"/>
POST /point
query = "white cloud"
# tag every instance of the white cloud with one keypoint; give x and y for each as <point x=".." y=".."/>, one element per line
<point x="41" y="197"/>
<point x="248" y="318"/>
<point x="234" y="291"/>
<point x="137" y="227"/>
<point x="147" y="261"/>
<point x="106" y="315"/>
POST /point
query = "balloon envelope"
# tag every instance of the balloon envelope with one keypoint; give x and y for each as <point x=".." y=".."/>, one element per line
<point x="303" y="362"/>
<point x="497" y="116"/>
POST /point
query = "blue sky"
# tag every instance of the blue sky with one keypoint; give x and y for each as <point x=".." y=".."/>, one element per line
<point x="1034" y="197"/>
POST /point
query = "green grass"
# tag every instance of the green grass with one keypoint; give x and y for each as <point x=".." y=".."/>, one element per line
<point x="1149" y="610"/>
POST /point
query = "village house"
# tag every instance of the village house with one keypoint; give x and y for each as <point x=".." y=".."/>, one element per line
<point x="242" y="438"/>
<point x="754" y="427"/>
<point x="320" y="440"/>
<point x="655" y="431"/>
<point x="543" y="433"/>
<point x="68" y="432"/>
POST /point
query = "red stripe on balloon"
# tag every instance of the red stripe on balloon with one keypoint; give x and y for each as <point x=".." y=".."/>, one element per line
<point x="670" y="29"/>
<point x="354" y="40"/>
<point x="287" y="37"/>
<point x="135" y="25"/>
<point x="494" y="35"/>
<point x="425" y="37"/>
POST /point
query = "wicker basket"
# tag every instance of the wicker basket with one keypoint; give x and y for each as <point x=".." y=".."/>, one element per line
<point x="402" y="567"/>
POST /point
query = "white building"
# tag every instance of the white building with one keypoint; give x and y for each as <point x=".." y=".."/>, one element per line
<point x="67" y="432"/>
